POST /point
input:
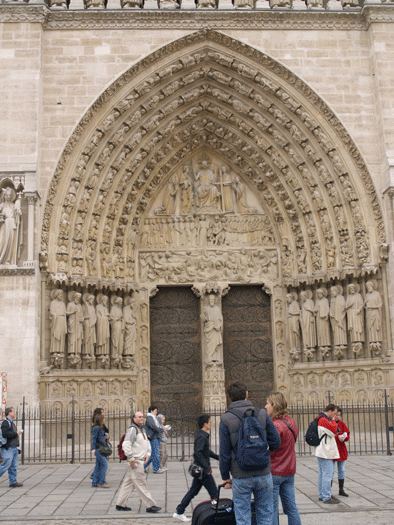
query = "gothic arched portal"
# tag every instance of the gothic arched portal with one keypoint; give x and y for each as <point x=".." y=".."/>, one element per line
<point x="209" y="164"/>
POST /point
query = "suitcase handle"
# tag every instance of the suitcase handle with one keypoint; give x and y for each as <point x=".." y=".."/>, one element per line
<point x="217" y="502"/>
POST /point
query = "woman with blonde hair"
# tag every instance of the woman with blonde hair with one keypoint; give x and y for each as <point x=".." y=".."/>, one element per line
<point x="283" y="459"/>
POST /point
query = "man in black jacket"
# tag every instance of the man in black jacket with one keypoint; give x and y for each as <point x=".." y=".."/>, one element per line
<point x="9" y="450"/>
<point x="201" y="456"/>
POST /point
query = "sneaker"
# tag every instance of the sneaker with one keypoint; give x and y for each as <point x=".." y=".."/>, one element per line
<point x="163" y="468"/>
<point x="14" y="485"/>
<point x="153" y="509"/>
<point x="331" y="501"/>
<point x="119" y="507"/>
<point x="160" y="471"/>
<point x="180" y="517"/>
<point x="104" y="486"/>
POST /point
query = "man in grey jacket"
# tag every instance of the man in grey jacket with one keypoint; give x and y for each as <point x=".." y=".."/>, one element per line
<point x="244" y="483"/>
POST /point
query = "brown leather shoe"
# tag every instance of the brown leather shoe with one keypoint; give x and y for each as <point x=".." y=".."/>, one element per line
<point x="14" y="485"/>
<point x="105" y="486"/>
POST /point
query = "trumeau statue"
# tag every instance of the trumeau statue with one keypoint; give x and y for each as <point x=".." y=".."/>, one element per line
<point x="75" y="328"/>
<point x="213" y="328"/>
<point x="58" y="319"/>
<point x="355" y="317"/>
<point x="10" y="226"/>
<point x="373" y="307"/>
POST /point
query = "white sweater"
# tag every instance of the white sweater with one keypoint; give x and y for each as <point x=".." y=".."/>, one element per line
<point x="136" y="445"/>
<point x="328" y="448"/>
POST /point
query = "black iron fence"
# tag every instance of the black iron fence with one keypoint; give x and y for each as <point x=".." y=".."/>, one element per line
<point x="56" y="436"/>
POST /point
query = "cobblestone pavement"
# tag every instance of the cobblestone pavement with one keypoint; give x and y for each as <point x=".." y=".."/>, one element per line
<point x="62" y="494"/>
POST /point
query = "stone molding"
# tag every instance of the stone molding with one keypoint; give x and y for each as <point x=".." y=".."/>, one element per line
<point x="359" y="19"/>
<point x="16" y="271"/>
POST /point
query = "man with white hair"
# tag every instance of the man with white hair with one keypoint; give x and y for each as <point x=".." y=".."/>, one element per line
<point x="136" y="446"/>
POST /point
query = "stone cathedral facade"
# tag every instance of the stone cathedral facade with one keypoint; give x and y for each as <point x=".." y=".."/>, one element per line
<point x="194" y="193"/>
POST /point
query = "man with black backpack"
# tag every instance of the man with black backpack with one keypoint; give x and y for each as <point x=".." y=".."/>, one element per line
<point x="247" y="435"/>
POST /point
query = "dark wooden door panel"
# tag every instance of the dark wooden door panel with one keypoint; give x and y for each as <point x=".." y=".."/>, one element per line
<point x="247" y="340"/>
<point x="176" y="375"/>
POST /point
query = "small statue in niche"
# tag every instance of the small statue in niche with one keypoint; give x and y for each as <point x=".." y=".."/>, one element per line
<point x="338" y="321"/>
<point x="58" y="319"/>
<point x="102" y="330"/>
<point x="89" y="329"/>
<point x="355" y="317"/>
<point x="293" y="325"/>
<point x="10" y="226"/>
<point x="373" y="307"/>
<point x="213" y="326"/>
<point x="75" y="328"/>
<point x="117" y="330"/>
<point x="308" y="324"/>
<point x="323" y="322"/>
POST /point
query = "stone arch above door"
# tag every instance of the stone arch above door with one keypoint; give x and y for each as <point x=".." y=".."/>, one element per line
<point x="209" y="92"/>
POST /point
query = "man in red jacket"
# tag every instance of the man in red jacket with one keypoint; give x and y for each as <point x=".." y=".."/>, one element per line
<point x="342" y="436"/>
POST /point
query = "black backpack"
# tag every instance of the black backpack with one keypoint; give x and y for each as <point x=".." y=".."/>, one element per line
<point x="312" y="434"/>
<point x="252" y="447"/>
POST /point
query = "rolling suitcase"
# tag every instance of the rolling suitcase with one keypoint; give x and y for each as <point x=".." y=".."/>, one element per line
<point x="217" y="512"/>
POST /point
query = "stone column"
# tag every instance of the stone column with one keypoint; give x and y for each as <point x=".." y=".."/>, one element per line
<point x="31" y="197"/>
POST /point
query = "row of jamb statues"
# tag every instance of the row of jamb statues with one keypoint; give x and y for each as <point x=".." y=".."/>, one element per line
<point x="354" y="315"/>
<point x="93" y="334"/>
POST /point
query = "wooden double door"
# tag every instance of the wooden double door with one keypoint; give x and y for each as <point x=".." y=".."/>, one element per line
<point x="176" y="361"/>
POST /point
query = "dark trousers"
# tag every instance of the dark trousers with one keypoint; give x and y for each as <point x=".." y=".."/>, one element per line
<point x="208" y="482"/>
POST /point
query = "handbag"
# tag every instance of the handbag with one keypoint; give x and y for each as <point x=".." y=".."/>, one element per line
<point x="105" y="450"/>
<point x="196" y="471"/>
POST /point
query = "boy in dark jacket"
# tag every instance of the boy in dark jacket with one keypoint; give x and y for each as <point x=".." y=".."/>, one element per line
<point x="202" y="455"/>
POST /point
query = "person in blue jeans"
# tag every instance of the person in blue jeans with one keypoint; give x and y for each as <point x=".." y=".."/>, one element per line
<point x="98" y="438"/>
<point x="201" y="456"/>
<point x="153" y="431"/>
<point x="245" y="483"/>
<point x="283" y="459"/>
<point x="9" y="451"/>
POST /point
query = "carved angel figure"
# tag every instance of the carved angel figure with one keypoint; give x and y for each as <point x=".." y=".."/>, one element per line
<point x="10" y="226"/>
